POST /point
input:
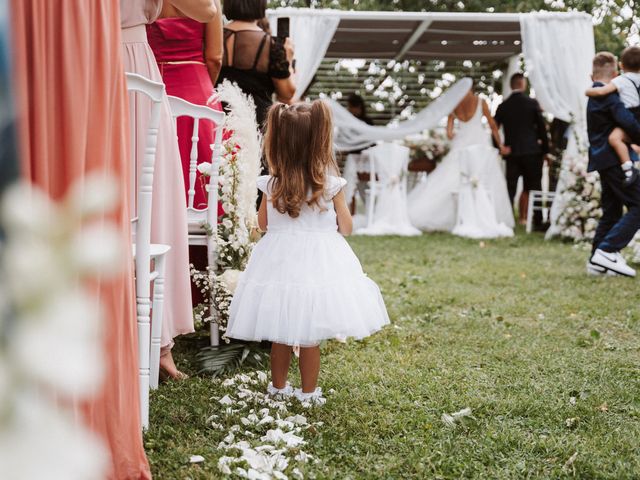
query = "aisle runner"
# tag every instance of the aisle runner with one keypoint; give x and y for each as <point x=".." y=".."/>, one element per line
<point x="268" y="442"/>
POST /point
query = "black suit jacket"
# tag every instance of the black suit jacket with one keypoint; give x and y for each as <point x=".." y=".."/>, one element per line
<point x="603" y="115"/>
<point x="524" y="128"/>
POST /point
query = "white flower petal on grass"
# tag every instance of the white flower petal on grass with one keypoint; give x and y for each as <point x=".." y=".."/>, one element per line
<point x="226" y="400"/>
<point x="196" y="459"/>
<point x="297" y="474"/>
<point x="297" y="419"/>
<point x="278" y="436"/>
<point x="262" y="376"/>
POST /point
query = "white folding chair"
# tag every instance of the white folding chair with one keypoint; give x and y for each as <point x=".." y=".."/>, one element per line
<point x="539" y="200"/>
<point x="144" y="251"/>
<point x="199" y="217"/>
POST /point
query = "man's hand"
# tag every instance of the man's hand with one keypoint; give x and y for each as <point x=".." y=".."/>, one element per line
<point x="505" y="151"/>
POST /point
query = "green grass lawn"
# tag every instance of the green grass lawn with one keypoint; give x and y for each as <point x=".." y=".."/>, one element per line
<point x="547" y="358"/>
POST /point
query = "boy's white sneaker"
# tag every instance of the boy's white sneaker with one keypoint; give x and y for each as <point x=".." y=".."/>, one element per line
<point x="285" y="392"/>
<point x="612" y="261"/>
<point x="311" y="398"/>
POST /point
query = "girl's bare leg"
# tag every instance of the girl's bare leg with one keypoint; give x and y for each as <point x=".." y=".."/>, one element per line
<point x="309" y="368"/>
<point x="280" y="361"/>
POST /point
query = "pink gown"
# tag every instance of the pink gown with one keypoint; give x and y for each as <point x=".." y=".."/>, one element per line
<point x="169" y="217"/>
<point x="71" y="91"/>
<point x="178" y="45"/>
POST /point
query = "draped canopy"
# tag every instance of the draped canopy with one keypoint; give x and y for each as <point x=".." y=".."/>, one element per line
<point x="557" y="49"/>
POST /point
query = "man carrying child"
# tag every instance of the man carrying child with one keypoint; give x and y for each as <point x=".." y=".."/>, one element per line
<point x="608" y="120"/>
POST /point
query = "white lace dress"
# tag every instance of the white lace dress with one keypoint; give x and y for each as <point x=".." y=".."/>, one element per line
<point x="467" y="194"/>
<point x="303" y="283"/>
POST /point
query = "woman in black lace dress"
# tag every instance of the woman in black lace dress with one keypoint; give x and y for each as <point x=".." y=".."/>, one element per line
<point x="260" y="64"/>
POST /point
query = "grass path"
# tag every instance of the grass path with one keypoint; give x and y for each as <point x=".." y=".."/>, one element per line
<point x="547" y="358"/>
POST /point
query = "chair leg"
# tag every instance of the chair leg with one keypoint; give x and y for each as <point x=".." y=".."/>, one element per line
<point x="532" y="197"/>
<point x="156" y="321"/>
<point x="143" y="308"/>
<point x="212" y="258"/>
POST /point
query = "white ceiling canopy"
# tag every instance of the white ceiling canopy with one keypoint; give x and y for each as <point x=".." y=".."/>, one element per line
<point x="420" y="35"/>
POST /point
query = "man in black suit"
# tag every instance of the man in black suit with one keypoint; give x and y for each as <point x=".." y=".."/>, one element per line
<point x="615" y="230"/>
<point x="526" y="138"/>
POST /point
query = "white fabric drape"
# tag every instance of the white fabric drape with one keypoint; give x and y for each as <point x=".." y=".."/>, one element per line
<point x="558" y="51"/>
<point x="513" y="66"/>
<point x="353" y="134"/>
<point x="311" y="35"/>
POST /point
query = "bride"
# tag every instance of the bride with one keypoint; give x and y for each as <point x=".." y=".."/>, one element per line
<point x="467" y="194"/>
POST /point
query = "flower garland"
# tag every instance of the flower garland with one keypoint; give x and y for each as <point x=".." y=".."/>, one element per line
<point x="581" y="197"/>
<point x="432" y="145"/>
<point x="50" y="252"/>
<point x="236" y="233"/>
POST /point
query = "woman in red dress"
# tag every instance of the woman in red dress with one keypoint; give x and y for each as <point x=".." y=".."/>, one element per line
<point x="189" y="55"/>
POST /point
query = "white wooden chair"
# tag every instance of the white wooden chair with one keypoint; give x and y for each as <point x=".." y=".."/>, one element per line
<point x="199" y="219"/>
<point x="539" y="200"/>
<point x="144" y="251"/>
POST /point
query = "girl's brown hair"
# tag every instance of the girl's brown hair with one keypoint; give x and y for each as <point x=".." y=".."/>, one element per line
<point x="298" y="144"/>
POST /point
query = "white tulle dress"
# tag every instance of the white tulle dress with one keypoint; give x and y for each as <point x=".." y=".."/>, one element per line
<point x="467" y="194"/>
<point x="303" y="283"/>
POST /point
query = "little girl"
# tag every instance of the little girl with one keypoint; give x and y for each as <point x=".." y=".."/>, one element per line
<point x="303" y="283"/>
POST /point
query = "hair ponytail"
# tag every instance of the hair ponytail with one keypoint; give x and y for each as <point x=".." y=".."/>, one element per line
<point x="298" y="145"/>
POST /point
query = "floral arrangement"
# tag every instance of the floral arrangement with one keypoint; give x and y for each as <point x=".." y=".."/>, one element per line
<point x="49" y="253"/>
<point x="581" y="198"/>
<point x="432" y="145"/>
<point x="236" y="232"/>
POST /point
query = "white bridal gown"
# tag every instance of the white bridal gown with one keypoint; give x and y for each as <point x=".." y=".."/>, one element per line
<point x="467" y="194"/>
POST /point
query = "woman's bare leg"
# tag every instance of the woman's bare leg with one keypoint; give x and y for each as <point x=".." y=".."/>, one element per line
<point x="168" y="367"/>
<point x="280" y="361"/>
<point x="309" y="368"/>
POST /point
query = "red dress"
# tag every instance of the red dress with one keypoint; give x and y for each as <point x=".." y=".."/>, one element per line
<point x="178" y="45"/>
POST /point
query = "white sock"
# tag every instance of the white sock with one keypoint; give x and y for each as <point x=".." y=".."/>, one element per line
<point x="626" y="166"/>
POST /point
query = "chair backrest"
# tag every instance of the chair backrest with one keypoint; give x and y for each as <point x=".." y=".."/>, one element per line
<point x="182" y="108"/>
<point x="144" y="183"/>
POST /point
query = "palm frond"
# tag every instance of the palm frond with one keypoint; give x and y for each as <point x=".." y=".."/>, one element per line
<point x="224" y="359"/>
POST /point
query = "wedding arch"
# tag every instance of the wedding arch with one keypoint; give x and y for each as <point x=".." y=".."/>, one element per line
<point x="557" y="49"/>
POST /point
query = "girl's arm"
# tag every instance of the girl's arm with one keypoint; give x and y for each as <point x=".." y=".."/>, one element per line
<point x="213" y="44"/>
<point x="601" y="91"/>
<point x="262" y="213"/>
<point x="345" y="222"/>
<point x="450" y="121"/>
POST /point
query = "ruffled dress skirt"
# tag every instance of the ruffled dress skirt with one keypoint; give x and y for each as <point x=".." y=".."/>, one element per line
<point x="302" y="287"/>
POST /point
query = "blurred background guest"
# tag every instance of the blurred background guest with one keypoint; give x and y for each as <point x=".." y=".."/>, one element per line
<point x="189" y="55"/>
<point x="260" y="64"/>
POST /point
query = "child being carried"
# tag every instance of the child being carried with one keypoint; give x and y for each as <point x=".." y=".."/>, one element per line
<point x="627" y="86"/>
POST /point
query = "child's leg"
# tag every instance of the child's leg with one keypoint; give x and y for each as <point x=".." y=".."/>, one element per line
<point x="280" y="361"/>
<point x="619" y="141"/>
<point x="309" y="368"/>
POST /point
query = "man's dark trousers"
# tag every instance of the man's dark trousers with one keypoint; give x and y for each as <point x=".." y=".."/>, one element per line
<point x="615" y="231"/>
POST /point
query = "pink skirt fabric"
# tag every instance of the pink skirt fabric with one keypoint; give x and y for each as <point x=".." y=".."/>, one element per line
<point x="72" y="97"/>
<point x="169" y="218"/>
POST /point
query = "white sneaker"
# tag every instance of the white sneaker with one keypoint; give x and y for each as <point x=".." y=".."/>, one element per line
<point x="285" y="392"/>
<point x="311" y="398"/>
<point x="598" y="271"/>
<point x="612" y="261"/>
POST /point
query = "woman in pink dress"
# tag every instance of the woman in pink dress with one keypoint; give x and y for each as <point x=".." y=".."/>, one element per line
<point x="189" y="55"/>
<point x="169" y="215"/>
<point x="72" y="99"/>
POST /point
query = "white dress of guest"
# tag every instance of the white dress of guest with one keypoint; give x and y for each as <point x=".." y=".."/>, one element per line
<point x="467" y="193"/>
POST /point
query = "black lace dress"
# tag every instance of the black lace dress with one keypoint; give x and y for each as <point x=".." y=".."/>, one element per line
<point x="252" y="59"/>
